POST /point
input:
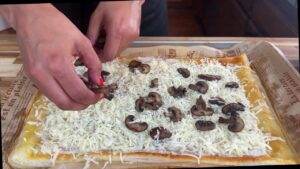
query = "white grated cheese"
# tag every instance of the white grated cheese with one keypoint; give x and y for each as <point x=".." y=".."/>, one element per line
<point x="105" y="164"/>
<point x="101" y="126"/>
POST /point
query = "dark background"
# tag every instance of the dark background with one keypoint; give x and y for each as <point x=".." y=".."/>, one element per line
<point x="244" y="18"/>
<point x="258" y="18"/>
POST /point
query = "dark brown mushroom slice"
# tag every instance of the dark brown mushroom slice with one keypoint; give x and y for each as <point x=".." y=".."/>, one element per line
<point x="153" y="101"/>
<point x="209" y="77"/>
<point x="217" y="101"/>
<point x="198" y="111"/>
<point x="109" y="96"/>
<point x="174" y="114"/>
<point x="234" y="114"/>
<point x="177" y="92"/>
<point x="224" y="120"/>
<point x="105" y="73"/>
<point x="104" y="90"/>
<point x="232" y="107"/>
<point x="154" y="83"/>
<point x="89" y="84"/>
<point x="78" y="62"/>
<point x="137" y="126"/>
<point x="232" y="85"/>
<point x="159" y="133"/>
<point x="200" y="108"/>
<point x="200" y="102"/>
<point x="107" y="90"/>
<point x="184" y="72"/>
<point x="134" y="64"/>
<point x="144" y="68"/>
<point x="236" y="125"/>
<point x="200" y="87"/>
<point x="203" y="125"/>
<point x="203" y="86"/>
<point x="193" y="87"/>
<point x="139" y="104"/>
<point x="95" y="88"/>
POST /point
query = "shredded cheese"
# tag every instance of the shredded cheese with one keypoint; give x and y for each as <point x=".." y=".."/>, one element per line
<point x="101" y="126"/>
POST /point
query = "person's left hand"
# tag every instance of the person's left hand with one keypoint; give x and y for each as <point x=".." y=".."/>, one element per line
<point x="120" y="21"/>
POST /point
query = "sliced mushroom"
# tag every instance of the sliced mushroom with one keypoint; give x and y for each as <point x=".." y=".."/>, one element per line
<point x="232" y="108"/>
<point x="236" y="125"/>
<point x="203" y="125"/>
<point x="200" y="102"/>
<point x="184" y="72"/>
<point x="200" y="87"/>
<point x="153" y="101"/>
<point x="134" y="64"/>
<point x="154" y="83"/>
<point x="78" y="62"/>
<point x="217" y="100"/>
<point x="177" y="92"/>
<point x="105" y="73"/>
<point x="144" y="68"/>
<point x="232" y="85"/>
<point x="107" y="90"/>
<point x="109" y="96"/>
<point x="174" y="113"/>
<point x="89" y="84"/>
<point x="198" y="111"/>
<point x="224" y="120"/>
<point x="235" y="114"/>
<point x="139" y="104"/>
<point x="160" y="133"/>
<point x="200" y="108"/>
<point x="209" y="77"/>
<point x="137" y="126"/>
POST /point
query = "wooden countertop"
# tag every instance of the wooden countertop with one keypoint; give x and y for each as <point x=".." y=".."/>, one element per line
<point x="10" y="60"/>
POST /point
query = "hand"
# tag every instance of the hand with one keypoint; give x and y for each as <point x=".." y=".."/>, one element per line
<point x="48" y="42"/>
<point x="120" y="20"/>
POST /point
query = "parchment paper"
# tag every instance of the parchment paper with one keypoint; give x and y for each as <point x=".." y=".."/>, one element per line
<point x="281" y="83"/>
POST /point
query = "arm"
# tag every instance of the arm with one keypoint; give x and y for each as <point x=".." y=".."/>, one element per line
<point x="120" y="20"/>
<point x="48" y="43"/>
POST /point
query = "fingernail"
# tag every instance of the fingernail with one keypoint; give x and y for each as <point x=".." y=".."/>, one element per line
<point x="100" y="81"/>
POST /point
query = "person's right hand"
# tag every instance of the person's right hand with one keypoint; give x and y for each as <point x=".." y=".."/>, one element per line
<point x="48" y="42"/>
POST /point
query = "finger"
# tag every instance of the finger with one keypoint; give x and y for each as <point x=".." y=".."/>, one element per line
<point x="71" y="83"/>
<point x="94" y="27"/>
<point x="90" y="60"/>
<point x="50" y="88"/>
<point x="112" y="45"/>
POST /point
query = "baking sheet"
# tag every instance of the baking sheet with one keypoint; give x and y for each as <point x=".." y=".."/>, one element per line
<point x="281" y="83"/>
